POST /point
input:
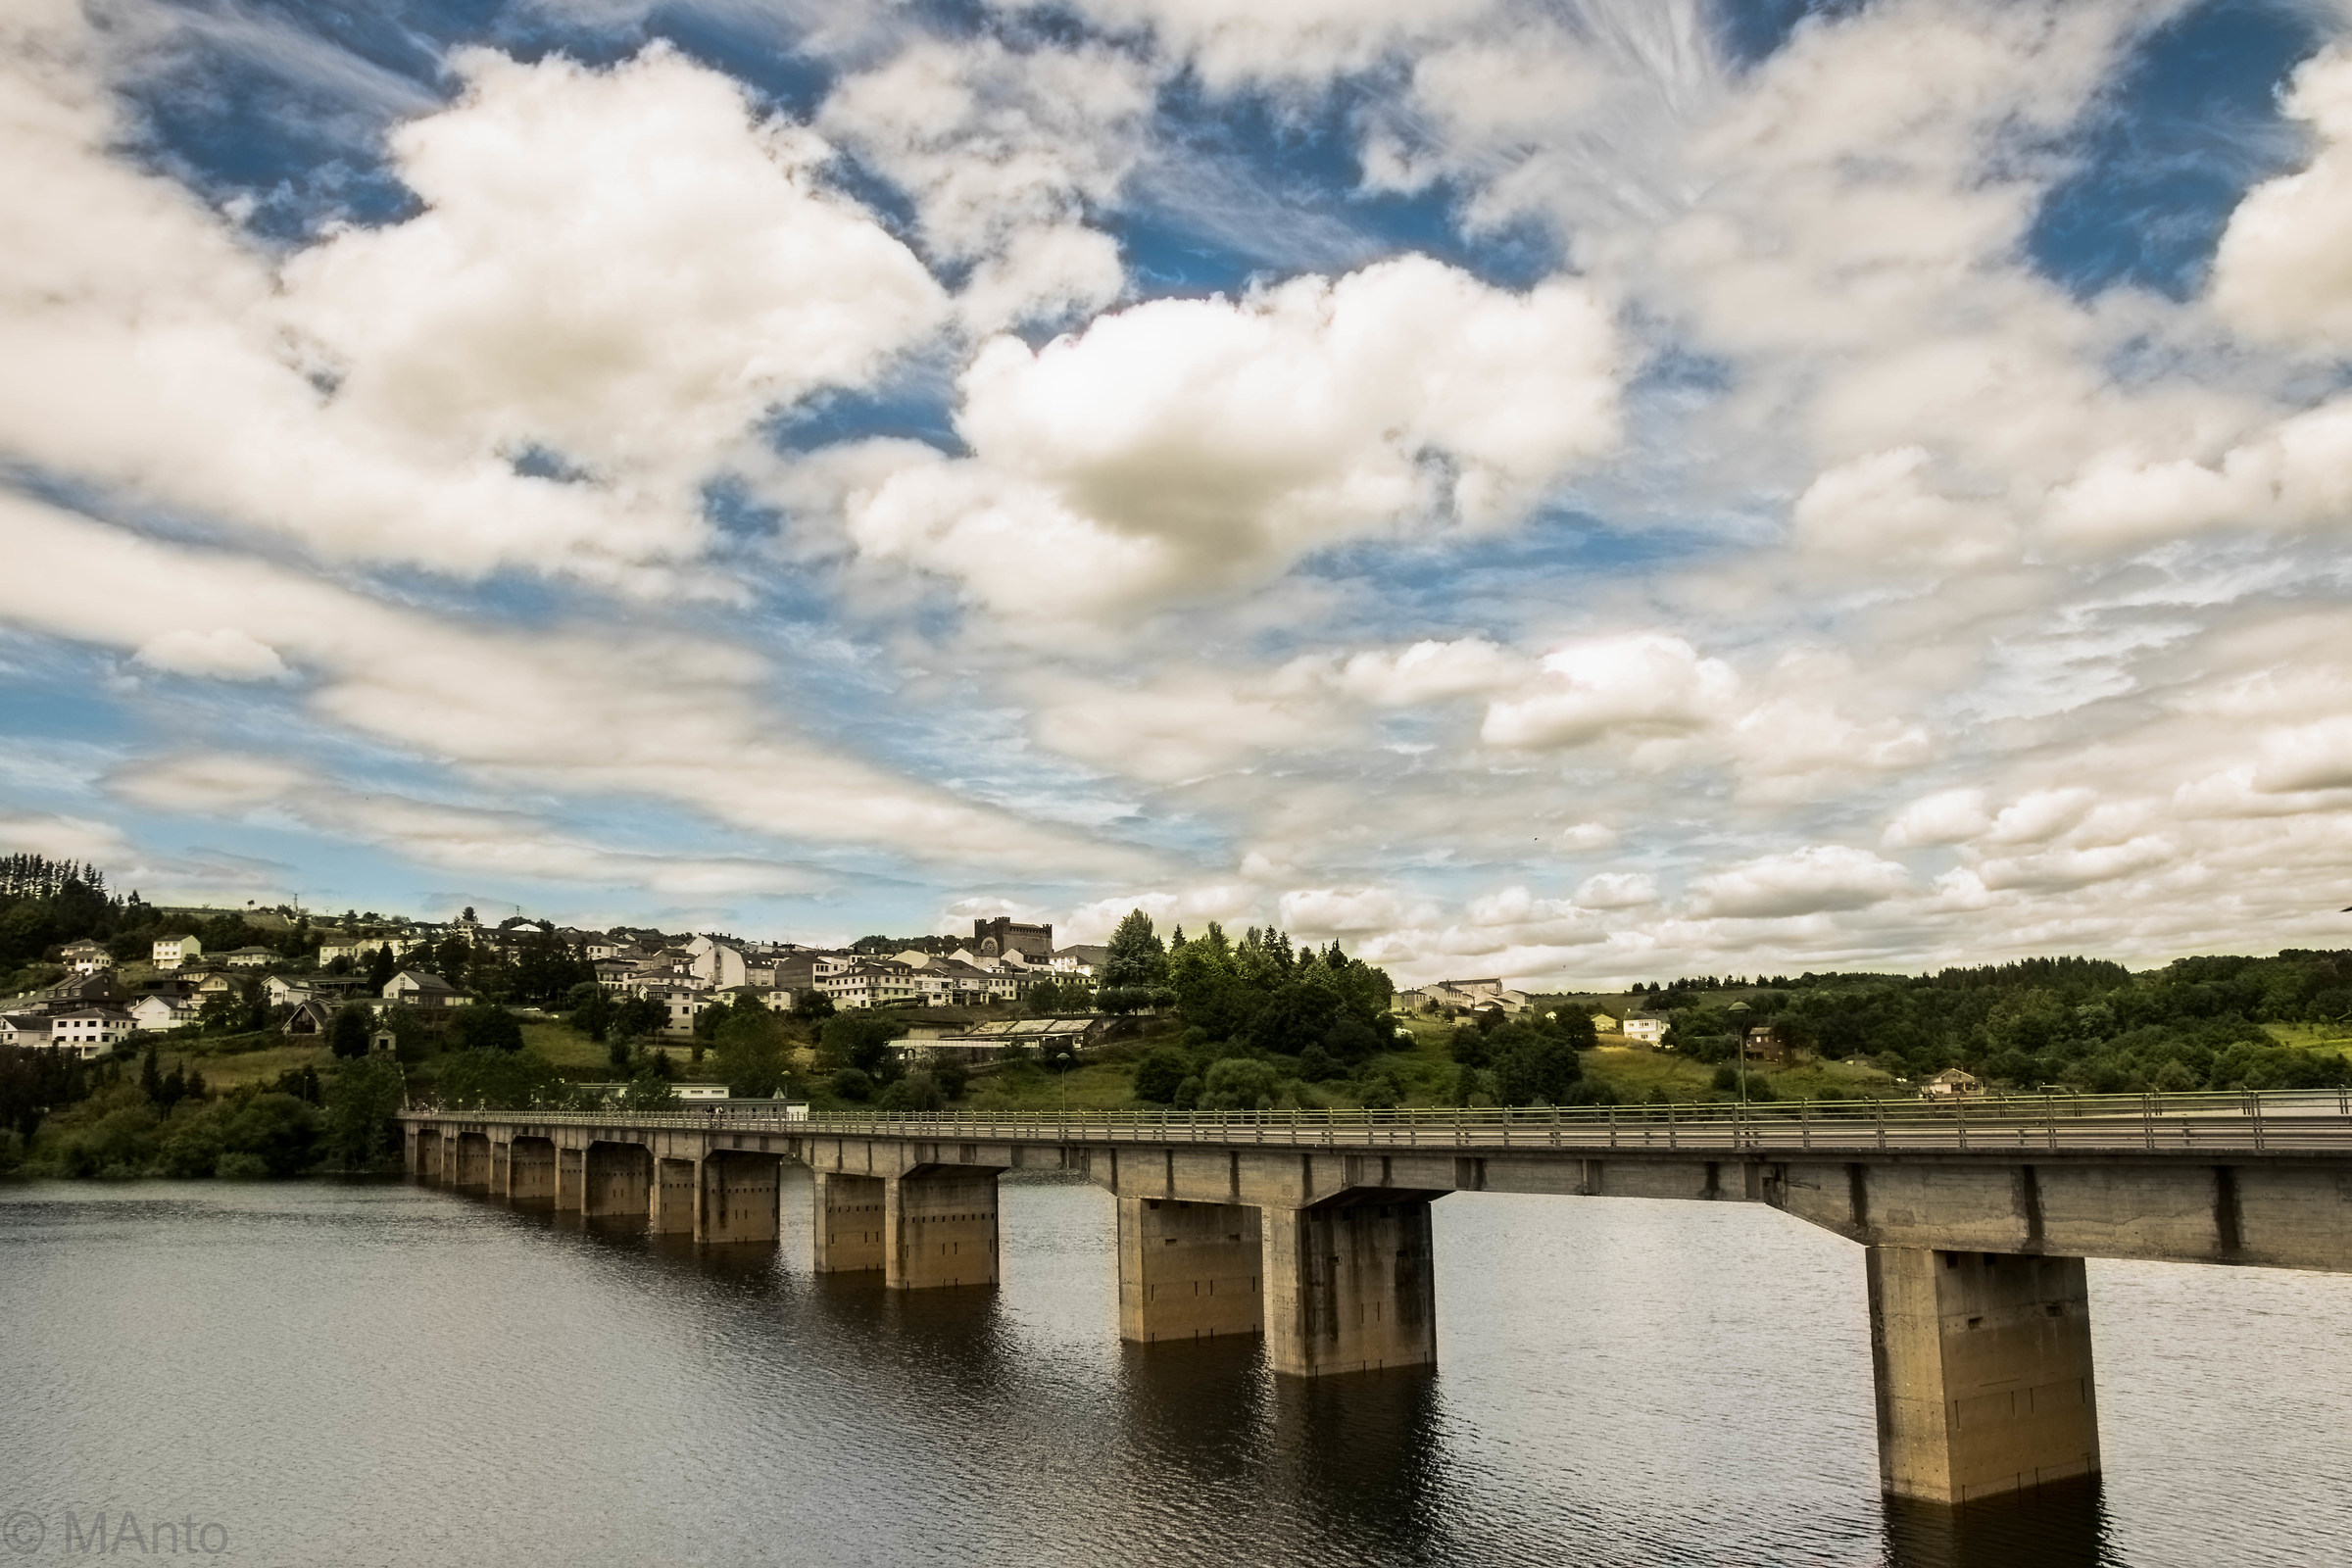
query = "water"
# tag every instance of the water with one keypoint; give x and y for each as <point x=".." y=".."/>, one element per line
<point x="378" y="1373"/>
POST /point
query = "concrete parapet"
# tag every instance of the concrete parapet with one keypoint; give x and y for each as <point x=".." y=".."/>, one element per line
<point x="939" y="1227"/>
<point x="847" y="1223"/>
<point x="1982" y="1369"/>
<point x="1189" y="1271"/>
<point x="739" y="1197"/>
<point x="1349" y="1285"/>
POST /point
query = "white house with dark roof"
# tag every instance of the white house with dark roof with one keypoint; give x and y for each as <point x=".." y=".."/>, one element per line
<point x="251" y="958"/>
<point x="172" y="952"/>
<point x="419" y="987"/>
<point x="88" y="1029"/>
<point x="86" y="957"/>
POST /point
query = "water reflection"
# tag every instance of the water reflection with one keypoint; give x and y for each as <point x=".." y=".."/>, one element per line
<point x="345" y="1373"/>
<point x="2061" y="1526"/>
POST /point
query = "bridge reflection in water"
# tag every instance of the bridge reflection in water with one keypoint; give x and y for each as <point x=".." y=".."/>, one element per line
<point x="1314" y="1232"/>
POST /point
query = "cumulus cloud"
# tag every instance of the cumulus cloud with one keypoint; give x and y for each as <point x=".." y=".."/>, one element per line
<point x="1344" y="911"/>
<point x="1948" y="817"/>
<point x="1432" y="671"/>
<point x="612" y="274"/>
<point x="2282" y="272"/>
<point x="1185" y="446"/>
<point x="1004" y="153"/>
<point x="1644" y="685"/>
<point x="1618" y="890"/>
<point x="1234" y="42"/>
<point x="224" y="653"/>
<point x="1808" y="881"/>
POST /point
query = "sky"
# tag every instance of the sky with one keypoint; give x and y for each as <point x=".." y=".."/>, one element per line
<point x="1585" y="492"/>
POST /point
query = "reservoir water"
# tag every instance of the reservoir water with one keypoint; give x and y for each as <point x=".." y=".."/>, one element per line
<point x="364" y="1373"/>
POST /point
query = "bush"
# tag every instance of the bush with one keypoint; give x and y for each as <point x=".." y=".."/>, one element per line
<point x="242" y="1167"/>
<point x="1532" y="1068"/>
<point x="484" y="1028"/>
<point x="1238" y="1083"/>
<point x="917" y="1091"/>
<point x="1316" y="1066"/>
<point x="1188" y="1094"/>
<point x="858" y="1039"/>
<point x="1380" y="1092"/>
<point x="1159" y="1075"/>
<point x="849" y="1083"/>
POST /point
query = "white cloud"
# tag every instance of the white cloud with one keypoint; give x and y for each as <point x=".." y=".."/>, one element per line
<point x="581" y="711"/>
<point x="621" y="267"/>
<point x="224" y="653"/>
<point x="1004" y="153"/>
<point x="1344" y="911"/>
<point x="1644" y="685"/>
<point x="1432" y="671"/>
<point x="1948" y="817"/>
<point x="65" y="837"/>
<point x="2307" y="757"/>
<point x="1185" y="446"/>
<point x="1618" y="890"/>
<point x="1808" y="881"/>
<point x="1234" y="42"/>
<point x="1881" y="508"/>
<point x="2282" y="272"/>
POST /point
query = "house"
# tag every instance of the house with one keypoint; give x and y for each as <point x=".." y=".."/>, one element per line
<point x="1605" y="1024"/>
<point x="1951" y="1083"/>
<point x="86" y="957"/>
<point x="160" y="1013"/>
<point x="250" y="958"/>
<point x="1645" y="1030"/>
<point x="172" y="952"/>
<point x="1765" y="1043"/>
<point x="89" y="1029"/>
<point x="28" y="1029"/>
<point x="717" y="965"/>
<point x="285" y="991"/>
<point x="416" y="988"/>
<point x="699" y="1093"/>
<point x="216" y="985"/>
<point x="1084" y="958"/>
<point x="311" y="1018"/>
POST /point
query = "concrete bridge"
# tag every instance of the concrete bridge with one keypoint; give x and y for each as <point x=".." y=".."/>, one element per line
<point x="1312" y="1229"/>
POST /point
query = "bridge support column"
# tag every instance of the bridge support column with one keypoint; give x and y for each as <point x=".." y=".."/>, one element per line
<point x="739" y="1196"/>
<point x="502" y="1167"/>
<point x="1983" y="1366"/>
<point x="1350" y="1286"/>
<point x="570" y="1180"/>
<point x="674" y="1197"/>
<point x="848" y="1223"/>
<point x="618" y="1181"/>
<point x="473" y="1162"/>
<point x="531" y="1172"/>
<point x="1189" y="1271"/>
<point x="939" y="1227"/>
<point x="425" y="1154"/>
<point x="412" y="1155"/>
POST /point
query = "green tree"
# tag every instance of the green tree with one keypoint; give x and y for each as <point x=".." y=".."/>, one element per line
<point x="860" y="1038"/>
<point x="480" y="1027"/>
<point x="1238" y="1083"/>
<point x="1138" y="957"/>
<point x="363" y="1097"/>
<point x="1160" y="1074"/>
<point x="354" y="1025"/>
<point x="917" y="1091"/>
<point x="498" y="1080"/>
<point x="754" y="1056"/>
<point x="1533" y="1068"/>
<point x="591" y="1010"/>
<point x="381" y="967"/>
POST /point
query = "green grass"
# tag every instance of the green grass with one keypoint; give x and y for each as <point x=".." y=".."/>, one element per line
<point x="2333" y="1038"/>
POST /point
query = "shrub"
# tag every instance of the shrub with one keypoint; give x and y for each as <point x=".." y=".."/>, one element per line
<point x="849" y="1083"/>
<point x="1159" y="1075"/>
<point x="1238" y="1083"/>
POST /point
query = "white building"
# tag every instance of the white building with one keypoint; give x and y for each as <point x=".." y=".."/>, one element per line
<point x="86" y="957"/>
<point x="88" y="1029"/>
<point x="1646" y="1031"/>
<point x="172" y="952"/>
<point x="160" y="1014"/>
<point x="418" y="989"/>
<point x="250" y="958"/>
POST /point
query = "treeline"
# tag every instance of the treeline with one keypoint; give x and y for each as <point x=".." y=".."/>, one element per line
<point x="2079" y="1023"/>
<point x="45" y="904"/>
<point x="60" y="1116"/>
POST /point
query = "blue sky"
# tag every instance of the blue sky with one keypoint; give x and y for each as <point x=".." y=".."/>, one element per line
<point x="1594" y="491"/>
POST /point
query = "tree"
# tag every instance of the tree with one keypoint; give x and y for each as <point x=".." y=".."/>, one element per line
<point x="915" y="1092"/>
<point x="755" y="1053"/>
<point x="381" y="967"/>
<point x="1138" y="959"/>
<point x="1535" y="1069"/>
<point x="814" y="1005"/>
<point x="1160" y="1074"/>
<point x="354" y="1024"/>
<point x="484" y="1028"/>
<point x="499" y="1080"/>
<point x="1238" y="1083"/>
<point x="858" y="1039"/>
<point x="591" y="1010"/>
<point x="639" y="1016"/>
<point x="363" y="1097"/>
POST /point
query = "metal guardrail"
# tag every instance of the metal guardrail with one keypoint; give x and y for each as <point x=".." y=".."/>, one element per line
<point x="2218" y="1121"/>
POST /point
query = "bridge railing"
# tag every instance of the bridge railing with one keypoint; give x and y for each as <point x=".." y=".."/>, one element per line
<point x="2216" y="1118"/>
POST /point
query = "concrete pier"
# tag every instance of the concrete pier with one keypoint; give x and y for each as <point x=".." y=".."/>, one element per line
<point x="1350" y="1286"/>
<point x="571" y="1179"/>
<point x="1983" y="1372"/>
<point x="740" y="1197"/>
<point x="619" y="1180"/>
<point x="1189" y="1271"/>
<point x="473" y="1172"/>
<point x="677" y="1191"/>
<point x="939" y="1226"/>
<point x="531" y="1172"/>
<point x="847" y="1223"/>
